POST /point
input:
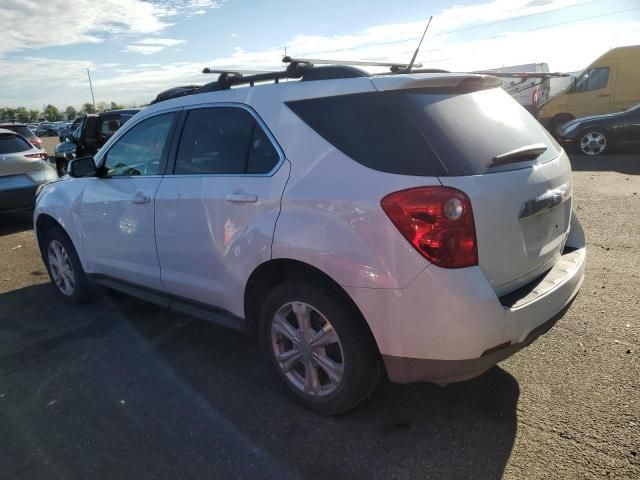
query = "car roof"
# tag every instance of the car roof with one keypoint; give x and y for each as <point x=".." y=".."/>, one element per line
<point x="4" y="131"/>
<point x="123" y="111"/>
<point x="9" y="124"/>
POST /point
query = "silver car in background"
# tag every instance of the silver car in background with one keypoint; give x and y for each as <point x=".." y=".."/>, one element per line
<point x="23" y="168"/>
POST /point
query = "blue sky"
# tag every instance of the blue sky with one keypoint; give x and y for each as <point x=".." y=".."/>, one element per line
<point x="135" y="48"/>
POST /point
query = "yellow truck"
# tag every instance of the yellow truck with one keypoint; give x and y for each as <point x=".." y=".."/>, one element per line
<point x="610" y="84"/>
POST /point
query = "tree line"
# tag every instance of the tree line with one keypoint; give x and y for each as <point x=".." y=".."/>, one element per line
<point x="51" y="113"/>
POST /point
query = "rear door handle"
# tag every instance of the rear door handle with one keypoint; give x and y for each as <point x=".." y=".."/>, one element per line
<point x="140" y="198"/>
<point x="604" y="95"/>
<point x="242" y="198"/>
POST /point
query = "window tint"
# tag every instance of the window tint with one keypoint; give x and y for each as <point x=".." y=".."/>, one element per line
<point x="21" y="130"/>
<point x="372" y="129"/>
<point x="593" y="79"/>
<point x="140" y="150"/>
<point x="424" y="132"/>
<point x="109" y="126"/>
<point x="13" y="144"/>
<point x="262" y="154"/>
<point x="224" y="140"/>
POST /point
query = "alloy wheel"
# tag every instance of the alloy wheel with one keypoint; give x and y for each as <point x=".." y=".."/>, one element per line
<point x="61" y="268"/>
<point x="307" y="349"/>
<point x="593" y="143"/>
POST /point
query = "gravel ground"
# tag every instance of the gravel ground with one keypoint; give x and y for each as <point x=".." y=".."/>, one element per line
<point x="121" y="389"/>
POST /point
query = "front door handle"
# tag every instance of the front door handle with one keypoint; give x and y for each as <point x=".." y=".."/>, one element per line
<point x="140" y="198"/>
<point x="242" y="198"/>
<point x="604" y="95"/>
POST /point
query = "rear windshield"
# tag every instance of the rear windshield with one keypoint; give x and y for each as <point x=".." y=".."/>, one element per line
<point x="425" y="132"/>
<point x="21" y="130"/>
<point x="13" y="144"/>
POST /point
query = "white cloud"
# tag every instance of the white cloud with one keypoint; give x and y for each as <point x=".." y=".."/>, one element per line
<point x="567" y="47"/>
<point x="147" y="46"/>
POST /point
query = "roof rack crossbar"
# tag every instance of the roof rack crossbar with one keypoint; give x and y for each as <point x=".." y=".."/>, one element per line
<point x="363" y="63"/>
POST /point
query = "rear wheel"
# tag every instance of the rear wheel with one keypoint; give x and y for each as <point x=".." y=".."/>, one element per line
<point x="593" y="142"/>
<point x="319" y="348"/>
<point x="64" y="267"/>
<point x="556" y="122"/>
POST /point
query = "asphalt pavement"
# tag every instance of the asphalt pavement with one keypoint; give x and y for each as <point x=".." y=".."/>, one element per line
<point x="119" y="389"/>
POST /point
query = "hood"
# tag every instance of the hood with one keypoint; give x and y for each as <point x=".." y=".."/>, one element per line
<point x="594" y="117"/>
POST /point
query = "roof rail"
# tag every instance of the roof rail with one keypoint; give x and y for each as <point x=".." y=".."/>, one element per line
<point x="304" y="69"/>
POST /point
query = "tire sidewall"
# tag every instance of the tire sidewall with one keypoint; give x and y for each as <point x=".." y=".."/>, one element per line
<point x="358" y="355"/>
<point x="81" y="291"/>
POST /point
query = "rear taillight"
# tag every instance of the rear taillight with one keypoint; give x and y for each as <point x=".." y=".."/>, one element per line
<point x="438" y="222"/>
<point x="37" y="142"/>
<point x="40" y="156"/>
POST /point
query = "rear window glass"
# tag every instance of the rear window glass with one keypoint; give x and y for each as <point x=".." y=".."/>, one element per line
<point x="425" y="132"/>
<point x="13" y="144"/>
<point x="21" y="130"/>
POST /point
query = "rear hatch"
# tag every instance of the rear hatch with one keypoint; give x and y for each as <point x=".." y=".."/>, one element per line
<point x="517" y="178"/>
<point x="472" y="136"/>
<point x="16" y="169"/>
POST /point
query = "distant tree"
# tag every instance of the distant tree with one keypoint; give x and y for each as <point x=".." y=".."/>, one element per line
<point x="8" y="114"/>
<point x="88" y="108"/>
<point x="102" y="107"/>
<point x="22" y="115"/>
<point x="51" y="113"/>
<point x="116" y="106"/>
<point x="34" y="115"/>
<point x="70" y="112"/>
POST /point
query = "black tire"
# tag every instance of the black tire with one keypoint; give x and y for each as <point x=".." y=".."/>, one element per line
<point x="362" y="364"/>
<point x="61" y="166"/>
<point x="556" y="122"/>
<point x="81" y="292"/>
<point x="595" y="132"/>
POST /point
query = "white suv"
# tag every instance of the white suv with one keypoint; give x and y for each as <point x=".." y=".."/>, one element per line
<point x="415" y="225"/>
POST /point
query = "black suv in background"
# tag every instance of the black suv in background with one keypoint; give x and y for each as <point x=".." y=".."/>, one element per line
<point x="91" y="132"/>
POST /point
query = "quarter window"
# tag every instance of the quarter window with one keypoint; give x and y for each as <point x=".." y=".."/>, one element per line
<point x="593" y="79"/>
<point x="224" y="140"/>
<point x="140" y="151"/>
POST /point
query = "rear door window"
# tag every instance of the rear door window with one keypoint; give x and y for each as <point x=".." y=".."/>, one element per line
<point x="224" y="140"/>
<point x="13" y="144"/>
<point x="425" y="132"/>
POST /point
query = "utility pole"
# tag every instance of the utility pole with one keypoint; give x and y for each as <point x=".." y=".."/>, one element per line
<point x="91" y="87"/>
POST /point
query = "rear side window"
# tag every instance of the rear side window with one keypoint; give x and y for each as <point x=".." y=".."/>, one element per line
<point x="21" y="130"/>
<point x="224" y="140"/>
<point x="425" y="132"/>
<point x="13" y="144"/>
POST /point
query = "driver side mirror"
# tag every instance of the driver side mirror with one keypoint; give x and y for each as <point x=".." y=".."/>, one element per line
<point x="82" y="167"/>
<point x="69" y="139"/>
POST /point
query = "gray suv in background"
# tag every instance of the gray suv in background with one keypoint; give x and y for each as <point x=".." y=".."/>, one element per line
<point x="23" y="168"/>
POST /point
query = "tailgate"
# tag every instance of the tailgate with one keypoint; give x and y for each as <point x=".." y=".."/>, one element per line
<point x="522" y="218"/>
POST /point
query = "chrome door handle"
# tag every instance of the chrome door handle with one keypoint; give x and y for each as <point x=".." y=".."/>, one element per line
<point x="140" y="198"/>
<point x="242" y="198"/>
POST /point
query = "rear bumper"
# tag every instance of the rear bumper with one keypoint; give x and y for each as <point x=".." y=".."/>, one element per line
<point x="17" y="199"/>
<point x="449" y="325"/>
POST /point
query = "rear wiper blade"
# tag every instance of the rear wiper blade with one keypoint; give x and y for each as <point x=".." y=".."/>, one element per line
<point x="522" y="154"/>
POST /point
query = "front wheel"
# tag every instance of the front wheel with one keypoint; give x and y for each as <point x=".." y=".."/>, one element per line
<point x="593" y="142"/>
<point x="319" y="347"/>
<point x="64" y="267"/>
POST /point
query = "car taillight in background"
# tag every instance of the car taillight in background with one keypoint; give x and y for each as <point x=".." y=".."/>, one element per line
<point x="39" y="156"/>
<point x="438" y="222"/>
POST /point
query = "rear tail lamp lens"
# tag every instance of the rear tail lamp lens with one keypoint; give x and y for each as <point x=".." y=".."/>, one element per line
<point x="39" y="156"/>
<point x="438" y="222"/>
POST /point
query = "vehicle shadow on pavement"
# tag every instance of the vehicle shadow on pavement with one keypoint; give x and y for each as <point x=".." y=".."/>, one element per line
<point x="626" y="164"/>
<point x="122" y="389"/>
<point x="15" y="222"/>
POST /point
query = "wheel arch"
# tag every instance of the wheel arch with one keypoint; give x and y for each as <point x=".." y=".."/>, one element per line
<point x="43" y="224"/>
<point x="276" y="271"/>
